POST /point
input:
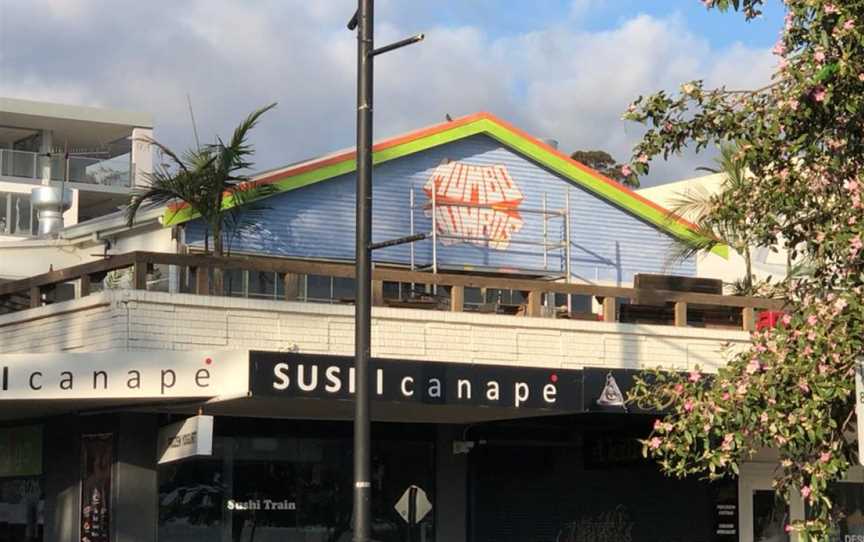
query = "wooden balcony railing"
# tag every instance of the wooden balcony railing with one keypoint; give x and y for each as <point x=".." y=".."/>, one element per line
<point x="194" y="274"/>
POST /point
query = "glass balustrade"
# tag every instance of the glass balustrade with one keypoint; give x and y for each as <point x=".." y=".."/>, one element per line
<point x="114" y="171"/>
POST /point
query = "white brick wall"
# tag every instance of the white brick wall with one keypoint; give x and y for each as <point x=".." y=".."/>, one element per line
<point x="136" y="320"/>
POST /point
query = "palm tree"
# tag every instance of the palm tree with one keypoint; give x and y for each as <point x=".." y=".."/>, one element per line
<point x="720" y="218"/>
<point x="202" y="178"/>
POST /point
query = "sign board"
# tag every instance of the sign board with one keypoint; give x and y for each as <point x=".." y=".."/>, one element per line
<point x="413" y="505"/>
<point x="123" y="375"/>
<point x="191" y="437"/>
<point x="291" y="375"/>
<point x="859" y="406"/>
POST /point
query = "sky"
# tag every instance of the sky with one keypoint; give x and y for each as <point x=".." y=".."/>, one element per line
<point x="564" y="69"/>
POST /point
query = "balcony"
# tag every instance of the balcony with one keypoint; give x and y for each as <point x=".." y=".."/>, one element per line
<point x="115" y="172"/>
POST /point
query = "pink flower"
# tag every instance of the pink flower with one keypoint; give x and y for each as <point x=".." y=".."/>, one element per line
<point x="825" y="457"/>
<point x="819" y="56"/>
<point x="830" y="8"/>
<point x="840" y="304"/>
<point x="803" y="386"/>
<point x="787" y="319"/>
<point x="806" y="491"/>
<point x="849" y="24"/>
<point x="679" y="388"/>
<point x="753" y="367"/>
<point x="819" y="94"/>
<point x="726" y="396"/>
<point x="658" y="424"/>
<point x="788" y="528"/>
<point x="855" y="245"/>
<point x="695" y="376"/>
<point x="779" y="48"/>
<point x="812" y="320"/>
<point x="626" y="171"/>
<point x="655" y="443"/>
<point x="688" y="405"/>
<point x="643" y="159"/>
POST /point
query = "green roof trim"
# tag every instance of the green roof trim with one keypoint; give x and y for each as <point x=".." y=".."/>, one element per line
<point x="482" y="123"/>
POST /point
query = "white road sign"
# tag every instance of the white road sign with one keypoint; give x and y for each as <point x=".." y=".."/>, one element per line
<point x="413" y="505"/>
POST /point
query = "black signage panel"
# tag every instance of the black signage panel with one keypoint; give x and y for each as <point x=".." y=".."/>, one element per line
<point x="605" y="390"/>
<point x="291" y="375"/>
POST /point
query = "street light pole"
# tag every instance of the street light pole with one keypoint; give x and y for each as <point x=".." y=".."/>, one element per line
<point x="363" y="274"/>
<point x="362" y="21"/>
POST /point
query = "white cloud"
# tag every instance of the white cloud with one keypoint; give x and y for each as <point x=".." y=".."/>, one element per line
<point x="231" y="57"/>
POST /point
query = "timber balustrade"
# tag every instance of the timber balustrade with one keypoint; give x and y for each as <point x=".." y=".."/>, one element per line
<point x="195" y="274"/>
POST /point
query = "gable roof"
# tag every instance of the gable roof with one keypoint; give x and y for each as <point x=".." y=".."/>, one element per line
<point x="327" y="167"/>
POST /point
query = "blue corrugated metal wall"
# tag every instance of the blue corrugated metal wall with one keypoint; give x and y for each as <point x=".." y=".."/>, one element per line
<point x="608" y="244"/>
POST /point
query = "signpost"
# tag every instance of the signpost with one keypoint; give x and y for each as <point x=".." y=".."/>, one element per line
<point x="413" y="506"/>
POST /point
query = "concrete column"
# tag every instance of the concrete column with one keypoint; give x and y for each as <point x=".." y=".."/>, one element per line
<point x="451" y="486"/>
<point x="134" y="483"/>
<point x="61" y="465"/>
<point x="46" y="144"/>
<point x="142" y="155"/>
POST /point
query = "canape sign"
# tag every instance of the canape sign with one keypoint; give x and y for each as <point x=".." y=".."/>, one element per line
<point x="123" y="375"/>
<point x="410" y="381"/>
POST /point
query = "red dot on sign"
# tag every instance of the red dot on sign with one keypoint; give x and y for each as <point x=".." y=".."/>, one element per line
<point x="554" y="378"/>
<point x="208" y="361"/>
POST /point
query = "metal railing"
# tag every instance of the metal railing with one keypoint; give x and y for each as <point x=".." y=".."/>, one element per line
<point x="115" y="171"/>
<point x="195" y="274"/>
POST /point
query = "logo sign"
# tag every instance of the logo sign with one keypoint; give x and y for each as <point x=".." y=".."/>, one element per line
<point x="410" y="381"/>
<point x="123" y="375"/>
<point x="192" y="437"/>
<point x="859" y="406"/>
<point x="413" y="505"/>
<point x="606" y="390"/>
<point x="476" y="204"/>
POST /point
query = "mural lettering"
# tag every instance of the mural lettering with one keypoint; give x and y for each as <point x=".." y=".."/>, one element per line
<point x="476" y="204"/>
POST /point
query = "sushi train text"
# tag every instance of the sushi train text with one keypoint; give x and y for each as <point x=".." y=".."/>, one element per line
<point x="300" y="375"/>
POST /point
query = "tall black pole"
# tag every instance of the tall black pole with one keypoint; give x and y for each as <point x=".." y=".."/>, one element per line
<point x="363" y="301"/>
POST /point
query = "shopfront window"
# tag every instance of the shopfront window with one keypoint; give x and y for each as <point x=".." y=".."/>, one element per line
<point x="847" y="511"/>
<point x="22" y="495"/>
<point x="261" y="488"/>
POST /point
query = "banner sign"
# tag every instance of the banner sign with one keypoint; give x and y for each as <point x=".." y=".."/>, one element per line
<point x="410" y="381"/>
<point x="123" y="375"/>
<point x="192" y="437"/>
<point x="97" y="460"/>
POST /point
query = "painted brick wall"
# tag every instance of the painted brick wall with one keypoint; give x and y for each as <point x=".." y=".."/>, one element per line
<point x="138" y="320"/>
<point x="608" y="244"/>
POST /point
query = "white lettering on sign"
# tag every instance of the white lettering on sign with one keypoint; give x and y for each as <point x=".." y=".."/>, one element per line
<point x="302" y="378"/>
<point x="255" y="505"/>
<point x="123" y="375"/>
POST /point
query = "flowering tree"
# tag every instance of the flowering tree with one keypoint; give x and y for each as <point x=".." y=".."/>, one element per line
<point x="802" y="137"/>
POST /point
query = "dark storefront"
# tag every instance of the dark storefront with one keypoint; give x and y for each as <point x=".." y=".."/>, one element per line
<point x="291" y="481"/>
